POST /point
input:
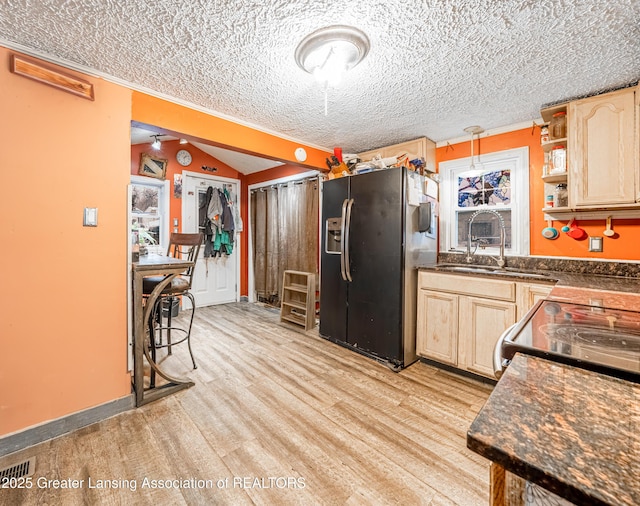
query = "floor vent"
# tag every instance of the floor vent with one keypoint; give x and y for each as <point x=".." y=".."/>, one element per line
<point x="19" y="470"/>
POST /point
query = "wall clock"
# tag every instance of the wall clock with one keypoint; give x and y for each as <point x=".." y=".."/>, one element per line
<point x="152" y="166"/>
<point x="184" y="157"/>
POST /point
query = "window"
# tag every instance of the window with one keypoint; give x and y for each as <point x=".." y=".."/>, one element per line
<point x="149" y="212"/>
<point x="499" y="182"/>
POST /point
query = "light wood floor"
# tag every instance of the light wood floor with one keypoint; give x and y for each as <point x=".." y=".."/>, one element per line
<point x="278" y="416"/>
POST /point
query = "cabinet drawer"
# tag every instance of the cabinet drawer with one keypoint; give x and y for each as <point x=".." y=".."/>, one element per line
<point x="479" y="286"/>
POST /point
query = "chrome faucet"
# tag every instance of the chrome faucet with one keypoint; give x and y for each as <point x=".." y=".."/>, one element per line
<point x="500" y="259"/>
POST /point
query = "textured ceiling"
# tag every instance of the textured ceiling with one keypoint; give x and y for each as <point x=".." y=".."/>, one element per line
<point x="435" y="67"/>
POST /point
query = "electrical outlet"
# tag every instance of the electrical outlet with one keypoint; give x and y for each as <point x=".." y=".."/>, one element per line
<point x="597" y="305"/>
<point x="595" y="244"/>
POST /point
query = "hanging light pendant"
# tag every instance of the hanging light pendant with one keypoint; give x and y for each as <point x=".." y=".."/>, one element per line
<point x="473" y="130"/>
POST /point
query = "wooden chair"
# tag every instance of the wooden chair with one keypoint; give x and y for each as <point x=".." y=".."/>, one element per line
<point x="186" y="247"/>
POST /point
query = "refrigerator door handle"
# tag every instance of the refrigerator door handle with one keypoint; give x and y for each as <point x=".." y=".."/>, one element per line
<point x="347" y="259"/>
<point x="342" y="240"/>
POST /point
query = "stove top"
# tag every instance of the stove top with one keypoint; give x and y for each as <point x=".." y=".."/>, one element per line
<point x="593" y="337"/>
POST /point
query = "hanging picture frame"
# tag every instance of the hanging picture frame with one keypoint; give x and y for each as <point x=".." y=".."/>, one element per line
<point x="152" y="166"/>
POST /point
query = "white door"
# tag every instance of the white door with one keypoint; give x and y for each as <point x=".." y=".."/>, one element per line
<point x="216" y="278"/>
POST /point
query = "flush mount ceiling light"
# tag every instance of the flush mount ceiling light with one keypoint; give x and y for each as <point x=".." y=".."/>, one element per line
<point x="330" y="52"/>
<point x="474" y="130"/>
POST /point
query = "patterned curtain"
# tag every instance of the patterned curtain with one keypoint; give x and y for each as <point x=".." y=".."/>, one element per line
<point x="285" y="234"/>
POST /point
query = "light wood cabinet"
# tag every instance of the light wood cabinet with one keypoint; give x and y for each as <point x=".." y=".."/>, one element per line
<point x="527" y="294"/>
<point x="438" y="324"/>
<point x="603" y="150"/>
<point x="481" y="321"/>
<point x="603" y="156"/>
<point x="460" y="318"/>
<point x="422" y="147"/>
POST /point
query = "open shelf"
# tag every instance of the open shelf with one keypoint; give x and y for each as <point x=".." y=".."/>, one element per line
<point x="548" y="112"/>
<point x="299" y="298"/>
<point x="549" y="145"/>
<point x="561" y="177"/>
<point x="551" y="210"/>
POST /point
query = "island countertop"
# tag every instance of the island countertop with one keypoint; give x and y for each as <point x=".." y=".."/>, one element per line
<point x="572" y="431"/>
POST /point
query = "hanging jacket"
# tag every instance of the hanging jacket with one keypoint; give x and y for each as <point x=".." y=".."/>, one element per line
<point x="205" y="224"/>
<point x="227" y="216"/>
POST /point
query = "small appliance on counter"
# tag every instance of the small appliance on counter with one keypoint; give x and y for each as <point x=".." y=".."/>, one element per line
<point x="596" y="338"/>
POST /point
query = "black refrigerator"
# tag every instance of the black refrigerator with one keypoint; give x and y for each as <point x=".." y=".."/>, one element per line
<point x="377" y="229"/>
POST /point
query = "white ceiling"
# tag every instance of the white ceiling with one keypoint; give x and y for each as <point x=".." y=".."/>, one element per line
<point x="434" y="68"/>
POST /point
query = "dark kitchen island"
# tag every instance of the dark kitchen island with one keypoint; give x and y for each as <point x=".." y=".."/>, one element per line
<point x="572" y="431"/>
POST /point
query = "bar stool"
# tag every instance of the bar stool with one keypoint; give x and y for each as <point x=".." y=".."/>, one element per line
<point x="186" y="247"/>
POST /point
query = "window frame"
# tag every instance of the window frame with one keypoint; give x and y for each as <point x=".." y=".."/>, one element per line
<point x="164" y="209"/>
<point x="517" y="160"/>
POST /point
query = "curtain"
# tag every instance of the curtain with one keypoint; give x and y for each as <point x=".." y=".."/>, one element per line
<point x="285" y="234"/>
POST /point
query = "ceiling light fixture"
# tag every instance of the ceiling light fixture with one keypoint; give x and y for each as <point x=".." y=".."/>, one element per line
<point x="330" y="52"/>
<point x="156" y="144"/>
<point x="184" y="141"/>
<point x="474" y="130"/>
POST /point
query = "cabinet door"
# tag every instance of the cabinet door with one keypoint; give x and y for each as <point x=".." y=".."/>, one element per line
<point x="481" y="321"/>
<point x="602" y="154"/>
<point x="527" y="294"/>
<point x="417" y="147"/>
<point x="437" y="326"/>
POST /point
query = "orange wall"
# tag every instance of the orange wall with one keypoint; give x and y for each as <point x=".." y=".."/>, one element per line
<point x="63" y="302"/>
<point x="170" y="118"/>
<point x="64" y="298"/>
<point x="168" y="151"/>
<point x="56" y="359"/>
<point x="196" y="125"/>
<point x="624" y="246"/>
<point x="282" y="171"/>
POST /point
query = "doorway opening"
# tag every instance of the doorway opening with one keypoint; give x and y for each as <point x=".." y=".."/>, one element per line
<point x="284" y="233"/>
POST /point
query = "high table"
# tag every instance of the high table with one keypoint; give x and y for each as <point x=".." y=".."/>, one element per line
<point x="152" y="265"/>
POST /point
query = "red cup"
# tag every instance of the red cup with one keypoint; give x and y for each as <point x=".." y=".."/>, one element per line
<point x="338" y="154"/>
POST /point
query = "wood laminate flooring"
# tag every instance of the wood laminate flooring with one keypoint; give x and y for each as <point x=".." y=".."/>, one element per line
<point x="277" y="416"/>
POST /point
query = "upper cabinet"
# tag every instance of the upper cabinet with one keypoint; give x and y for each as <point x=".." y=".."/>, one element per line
<point x="603" y="150"/>
<point x="422" y="148"/>
<point x="603" y="157"/>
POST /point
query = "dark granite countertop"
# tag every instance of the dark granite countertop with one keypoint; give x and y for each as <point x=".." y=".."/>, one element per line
<point x="610" y="279"/>
<point x="572" y="431"/>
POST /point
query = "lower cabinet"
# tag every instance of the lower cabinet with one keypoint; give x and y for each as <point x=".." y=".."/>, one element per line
<point x="527" y="294"/>
<point x="480" y="323"/>
<point x="460" y="318"/>
<point x="437" y="333"/>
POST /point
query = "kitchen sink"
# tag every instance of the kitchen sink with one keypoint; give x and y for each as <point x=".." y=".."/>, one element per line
<point x="491" y="270"/>
<point x="469" y="268"/>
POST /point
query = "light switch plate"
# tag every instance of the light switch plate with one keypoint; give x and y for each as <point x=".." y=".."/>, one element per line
<point x="595" y="244"/>
<point x="90" y="217"/>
